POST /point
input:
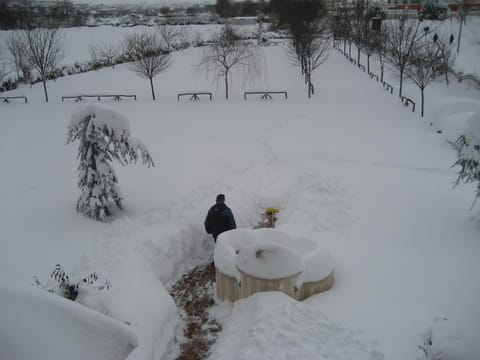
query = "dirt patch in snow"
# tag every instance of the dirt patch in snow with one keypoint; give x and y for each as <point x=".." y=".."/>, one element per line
<point x="195" y="294"/>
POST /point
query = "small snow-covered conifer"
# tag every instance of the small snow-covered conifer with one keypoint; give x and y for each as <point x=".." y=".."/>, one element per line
<point x="468" y="154"/>
<point x="104" y="136"/>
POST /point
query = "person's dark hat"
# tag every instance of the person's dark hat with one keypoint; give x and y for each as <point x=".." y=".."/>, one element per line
<point x="220" y="197"/>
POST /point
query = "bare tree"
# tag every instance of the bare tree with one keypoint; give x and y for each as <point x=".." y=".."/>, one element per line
<point x="19" y="53"/>
<point x="345" y="28"/>
<point x="150" y="56"/>
<point x="174" y="37"/>
<point x="3" y="66"/>
<point x="229" y="51"/>
<point x="445" y="46"/>
<point x="105" y="52"/>
<point x="310" y="48"/>
<point x="359" y="26"/>
<point x="462" y="14"/>
<point x="402" y="37"/>
<point x="374" y="42"/>
<point x="425" y="64"/>
<point x="46" y="48"/>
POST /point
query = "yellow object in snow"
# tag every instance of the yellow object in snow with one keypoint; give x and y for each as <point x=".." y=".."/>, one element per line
<point x="271" y="210"/>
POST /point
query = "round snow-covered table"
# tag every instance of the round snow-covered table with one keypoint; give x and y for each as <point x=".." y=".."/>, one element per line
<point x="268" y="267"/>
<point x="249" y="261"/>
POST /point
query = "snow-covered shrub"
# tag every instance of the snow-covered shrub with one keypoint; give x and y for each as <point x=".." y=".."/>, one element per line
<point x="8" y="85"/>
<point x="104" y="136"/>
<point x="468" y="154"/>
<point x="69" y="289"/>
<point x="427" y="349"/>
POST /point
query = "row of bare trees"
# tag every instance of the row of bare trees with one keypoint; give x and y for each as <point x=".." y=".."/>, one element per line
<point x="310" y="34"/>
<point x="40" y="50"/>
<point x="414" y="51"/>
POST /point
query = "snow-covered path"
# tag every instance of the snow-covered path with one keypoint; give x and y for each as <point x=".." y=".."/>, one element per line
<point x="351" y="168"/>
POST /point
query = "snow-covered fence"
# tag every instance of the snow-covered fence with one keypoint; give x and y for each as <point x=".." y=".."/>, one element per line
<point x="6" y="99"/>
<point x="194" y="95"/>
<point x="115" y="97"/>
<point x="266" y="94"/>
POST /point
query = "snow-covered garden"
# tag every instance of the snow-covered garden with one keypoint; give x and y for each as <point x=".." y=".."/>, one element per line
<point x="351" y="169"/>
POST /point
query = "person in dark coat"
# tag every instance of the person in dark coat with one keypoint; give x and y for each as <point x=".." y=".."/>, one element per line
<point x="219" y="218"/>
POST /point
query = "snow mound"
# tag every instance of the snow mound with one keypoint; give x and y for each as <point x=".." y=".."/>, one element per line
<point x="39" y="325"/>
<point x="271" y="325"/>
<point x="451" y="116"/>
<point x="473" y="132"/>
<point x="283" y="256"/>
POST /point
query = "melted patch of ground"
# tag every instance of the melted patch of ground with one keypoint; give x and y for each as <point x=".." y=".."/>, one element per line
<point x="195" y="294"/>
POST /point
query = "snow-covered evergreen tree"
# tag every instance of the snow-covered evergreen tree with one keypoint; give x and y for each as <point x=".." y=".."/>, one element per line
<point x="104" y="136"/>
<point x="468" y="154"/>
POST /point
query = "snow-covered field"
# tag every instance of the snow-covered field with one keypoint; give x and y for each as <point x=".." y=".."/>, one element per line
<point x="352" y="168"/>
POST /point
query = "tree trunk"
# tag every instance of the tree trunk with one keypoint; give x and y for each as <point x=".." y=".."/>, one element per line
<point x="45" y="89"/>
<point x="344" y="46"/>
<point x="309" y="86"/>
<point x="358" y="56"/>
<point x="153" y="90"/>
<point x="349" y="49"/>
<point x="401" y="84"/>
<point x="368" y="63"/>
<point x="459" y="34"/>
<point x="381" y="74"/>
<point x="226" y="84"/>
<point x="423" y="98"/>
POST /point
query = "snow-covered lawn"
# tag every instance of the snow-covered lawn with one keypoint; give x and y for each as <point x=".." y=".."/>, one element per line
<point x="351" y="168"/>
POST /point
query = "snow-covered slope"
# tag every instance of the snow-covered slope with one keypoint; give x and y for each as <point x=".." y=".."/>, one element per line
<point x="351" y="167"/>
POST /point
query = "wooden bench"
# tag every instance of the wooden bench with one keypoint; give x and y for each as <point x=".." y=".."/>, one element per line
<point x="6" y="99"/>
<point x="194" y="95"/>
<point x="407" y="101"/>
<point x="115" y="97"/>
<point x="265" y="94"/>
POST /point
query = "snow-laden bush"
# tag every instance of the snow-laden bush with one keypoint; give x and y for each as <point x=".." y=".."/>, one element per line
<point x="428" y="350"/>
<point x="104" y="136"/>
<point x="468" y="154"/>
<point x="68" y="288"/>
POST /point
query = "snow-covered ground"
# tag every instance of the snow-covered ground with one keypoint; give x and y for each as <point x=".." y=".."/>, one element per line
<point x="352" y="168"/>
